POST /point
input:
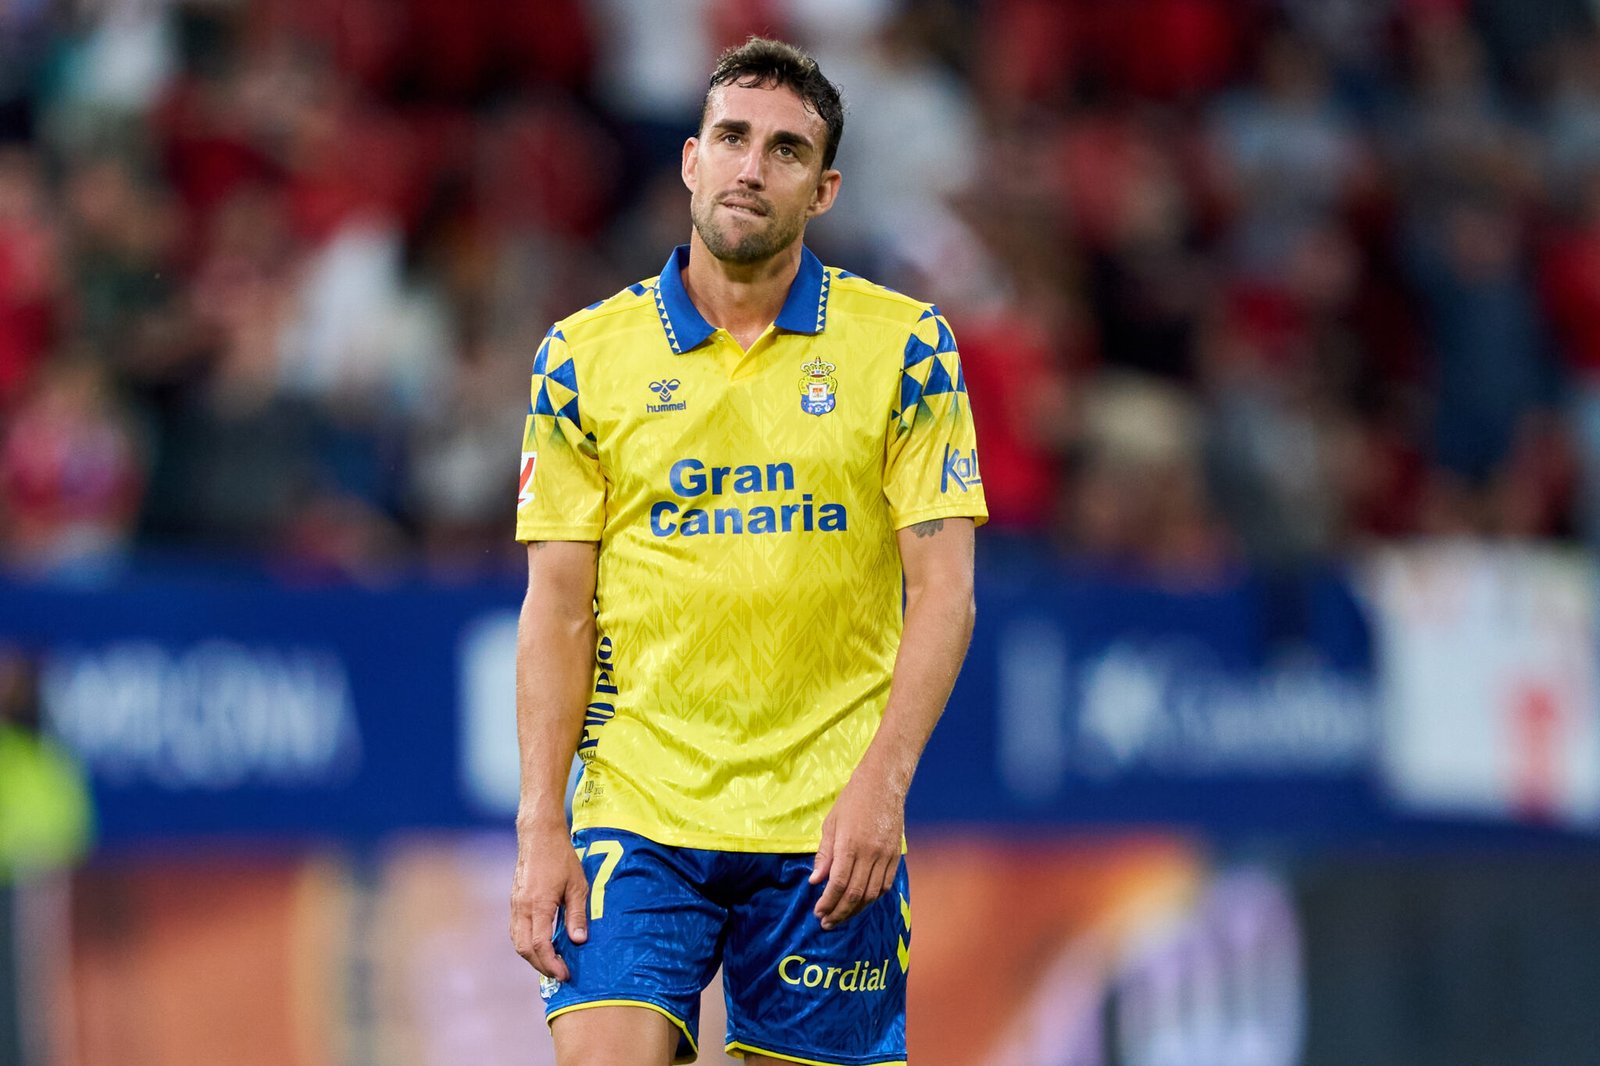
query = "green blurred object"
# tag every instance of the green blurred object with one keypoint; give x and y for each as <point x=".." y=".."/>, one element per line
<point x="45" y="815"/>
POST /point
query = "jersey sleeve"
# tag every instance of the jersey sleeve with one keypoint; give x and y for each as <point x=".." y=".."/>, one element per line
<point x="561" y="492"/>
<point x="931" y="460"/>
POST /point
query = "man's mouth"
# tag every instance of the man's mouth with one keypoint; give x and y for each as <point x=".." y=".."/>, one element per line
<point x="748" y="207"/>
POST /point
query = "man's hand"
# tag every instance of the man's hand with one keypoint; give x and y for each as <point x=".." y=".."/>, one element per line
<point x="860" y="851"/>
<point x="549" y="879"/>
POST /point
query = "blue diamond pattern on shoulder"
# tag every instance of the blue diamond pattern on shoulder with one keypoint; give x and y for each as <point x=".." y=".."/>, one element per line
<point x="566" y="374"/>
<point x="961" y="379"/>
<point x="947" y="340"/>
<point x="570" y="413"/>
<point x="543" y="406"/>
<point x="938" y="381"/>
<point x="916" y="351"/>
<point x="637" y="288"/>
<point x="910" y="391"/>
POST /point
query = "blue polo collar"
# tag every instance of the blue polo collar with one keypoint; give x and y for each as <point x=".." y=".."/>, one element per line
<point x="805" y="309"/>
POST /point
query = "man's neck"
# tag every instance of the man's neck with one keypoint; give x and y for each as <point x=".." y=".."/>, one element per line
<point x="742" y="298"/>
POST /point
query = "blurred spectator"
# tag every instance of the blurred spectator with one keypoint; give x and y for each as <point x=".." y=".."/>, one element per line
<point x="1138" y="500"/>
<point x="46" y="823"/>
<point x="1286" y="158"/>
<point x="25" y="40"/>
<point x="1493" y="378"/>
<point x="459" y="476"/>
<point x="651" y="74"/>
<point x="1570" y="284"/>
<point x="71" y="475"/>
<point x="31" y="283"/>
<point x="1279" y="364"/>
<point x="912" y="144"/>
<point x="45" y="816"/>
<point x="1124" y="189"/>
<point x="121" y="233"/>
<point x="1572" y="122"/>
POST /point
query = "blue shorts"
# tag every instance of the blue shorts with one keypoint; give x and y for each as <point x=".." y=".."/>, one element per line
<point x="661" y="920"/>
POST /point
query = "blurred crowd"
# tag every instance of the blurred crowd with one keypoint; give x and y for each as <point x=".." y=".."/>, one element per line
<point x="1236" y="281"/>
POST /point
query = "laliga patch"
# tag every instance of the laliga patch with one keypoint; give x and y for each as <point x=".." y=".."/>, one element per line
<point x="817" y="387"/>
<point x="525" y="482"/>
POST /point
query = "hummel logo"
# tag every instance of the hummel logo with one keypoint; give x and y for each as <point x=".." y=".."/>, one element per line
<point x="664" y="390"/>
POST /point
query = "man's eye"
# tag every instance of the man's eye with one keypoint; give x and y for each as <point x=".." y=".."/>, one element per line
<point x="785" y="150"/>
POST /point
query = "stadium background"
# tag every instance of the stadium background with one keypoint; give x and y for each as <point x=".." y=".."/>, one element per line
<point x="1280" y="738"/>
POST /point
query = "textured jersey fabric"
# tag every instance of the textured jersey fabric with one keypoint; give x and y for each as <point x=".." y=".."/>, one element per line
<point x="746" y="503"/>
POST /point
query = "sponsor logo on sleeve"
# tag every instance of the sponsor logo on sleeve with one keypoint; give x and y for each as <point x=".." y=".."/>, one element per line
<point x="960" y="469"/>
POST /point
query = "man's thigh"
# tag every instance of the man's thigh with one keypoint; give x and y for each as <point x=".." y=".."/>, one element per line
<point x="798" y="993"/>
<point x="654" y="942"/>
<point x="614" y="1036"/>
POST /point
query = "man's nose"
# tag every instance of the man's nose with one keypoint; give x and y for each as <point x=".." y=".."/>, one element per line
<point x="752" y="169"/>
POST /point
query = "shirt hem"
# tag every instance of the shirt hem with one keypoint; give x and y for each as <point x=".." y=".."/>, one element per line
<point x="528" y="533"/>
<point x="910" y="518"/>
<point x="704" y="841"/>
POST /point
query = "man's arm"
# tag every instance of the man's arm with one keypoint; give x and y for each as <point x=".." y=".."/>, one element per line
<point x="555" y="673"/>
<point x="861" y="837"/>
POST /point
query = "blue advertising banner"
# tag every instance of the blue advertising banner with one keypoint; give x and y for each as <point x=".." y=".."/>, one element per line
<point x="1090" y="699"/>
<point x="207" y="704"/>
<point x="220" y="706"/>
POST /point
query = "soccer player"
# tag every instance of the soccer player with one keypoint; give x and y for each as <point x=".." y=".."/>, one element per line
<point x="727" y="471"/>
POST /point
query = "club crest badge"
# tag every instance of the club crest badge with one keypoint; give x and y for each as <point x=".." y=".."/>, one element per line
<point x="817" y="387"/>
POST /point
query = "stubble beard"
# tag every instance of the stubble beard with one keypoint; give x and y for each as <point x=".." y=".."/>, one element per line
<point x="753" y="246"/>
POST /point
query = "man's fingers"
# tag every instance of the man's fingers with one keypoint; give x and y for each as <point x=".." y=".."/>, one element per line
<point x="545" y="959"/>
<point x="848" y="895"/>
<point x="890" y="869"/>
<point x="531" y="927"/>
<point x="824" y="859"/>
<point x="577" y="910"/>
<point x="838" y="881"/>
<point x="855" y="892"/>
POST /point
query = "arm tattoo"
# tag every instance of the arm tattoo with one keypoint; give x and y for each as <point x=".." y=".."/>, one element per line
<point x="928" y="528"/>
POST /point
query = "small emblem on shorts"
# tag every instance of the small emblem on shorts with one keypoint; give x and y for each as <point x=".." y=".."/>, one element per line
<point x="817" y="386"/>
<point x="548" y="986"/>
<point x="664" y="390"/>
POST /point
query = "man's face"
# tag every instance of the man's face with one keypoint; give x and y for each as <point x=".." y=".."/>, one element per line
<point x="755" y="172"/>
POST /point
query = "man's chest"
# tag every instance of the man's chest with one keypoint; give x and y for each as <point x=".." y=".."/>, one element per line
<point x="714" y="422"/>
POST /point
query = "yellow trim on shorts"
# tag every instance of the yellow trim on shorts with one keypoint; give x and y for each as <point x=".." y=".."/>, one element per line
<point x="694" y="1049"/>
<point x="742" y="1049"/>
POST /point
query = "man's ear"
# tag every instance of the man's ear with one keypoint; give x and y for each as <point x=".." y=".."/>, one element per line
<point x="827" y="191"/>
<point x="691" y="160"/>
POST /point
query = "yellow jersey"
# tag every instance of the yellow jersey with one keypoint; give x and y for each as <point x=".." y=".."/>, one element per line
<point x="749" y="593"/>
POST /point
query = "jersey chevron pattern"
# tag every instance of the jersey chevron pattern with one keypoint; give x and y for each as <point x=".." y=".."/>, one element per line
<point x="749" y="588"/>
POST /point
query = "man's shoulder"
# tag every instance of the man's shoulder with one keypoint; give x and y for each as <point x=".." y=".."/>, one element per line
<point x="861" y="297"/>
<point x="612" y="312"/>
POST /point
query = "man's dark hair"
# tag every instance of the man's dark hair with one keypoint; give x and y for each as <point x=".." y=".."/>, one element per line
<point x="762" y="63"/>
